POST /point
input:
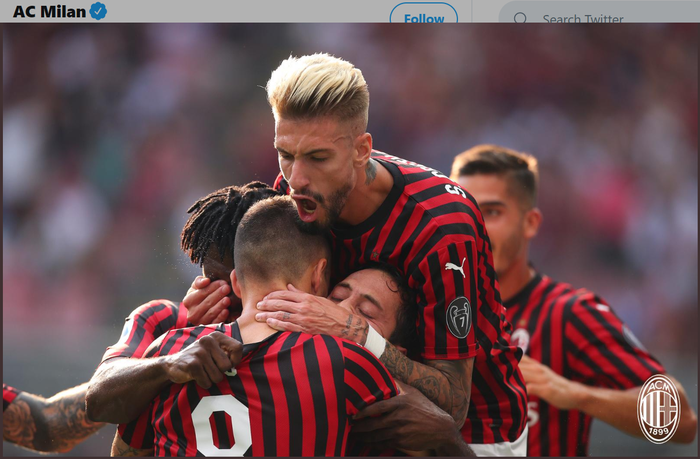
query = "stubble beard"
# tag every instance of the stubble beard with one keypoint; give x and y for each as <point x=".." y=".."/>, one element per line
<point x="333" y="206"/>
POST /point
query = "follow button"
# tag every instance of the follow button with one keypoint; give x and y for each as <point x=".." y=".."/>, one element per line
<point x="423" y="12"/>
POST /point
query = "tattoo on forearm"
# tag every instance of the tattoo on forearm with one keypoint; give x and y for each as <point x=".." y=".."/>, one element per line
<point x="429" y="386"/>
<point x="68" y="424"/>
<point x="441" y="381"/>
<point x="455" y="371"/>
<point x="53" y="425"/>
<point x="370" y="171"/>
<point x="346" y="330"/>
<point x="18" y="424"/>
<point x="353" y="331"/>
<point x="358" y="328"/>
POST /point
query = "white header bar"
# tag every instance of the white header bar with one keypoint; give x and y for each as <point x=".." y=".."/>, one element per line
<point x="357" y="11"/>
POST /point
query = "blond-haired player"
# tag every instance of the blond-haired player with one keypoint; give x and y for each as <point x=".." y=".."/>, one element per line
<point x="378" y="207"/>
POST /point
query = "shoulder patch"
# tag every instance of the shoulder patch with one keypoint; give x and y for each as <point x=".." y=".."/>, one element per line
<point x="459" y="317"/>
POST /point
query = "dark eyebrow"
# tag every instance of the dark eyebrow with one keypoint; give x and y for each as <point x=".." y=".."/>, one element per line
<point x="366" y="296"/>
<point x="311" y="152"/>
<point x="371" y="299"/>
<point x="344" y="284"/>
<point x="492" y="203"/>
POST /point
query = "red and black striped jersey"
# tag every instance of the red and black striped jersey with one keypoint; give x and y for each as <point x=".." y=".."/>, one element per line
<point x="577" y="335"/>
<point x="292" y="394"/>
<point x="432" y="230"/>
<point x="8" y="395"/>
<point x="144" y="325"/>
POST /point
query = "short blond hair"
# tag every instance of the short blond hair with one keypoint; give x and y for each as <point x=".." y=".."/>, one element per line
<point x="318" y="85"/>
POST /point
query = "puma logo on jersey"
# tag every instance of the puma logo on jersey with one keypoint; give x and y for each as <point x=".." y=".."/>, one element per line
<point x="456" y="268"/>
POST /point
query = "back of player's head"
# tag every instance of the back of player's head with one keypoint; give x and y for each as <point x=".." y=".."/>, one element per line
<point x="271" y="245"/>
<point x="318" y="85"/>
<point x="519" y="168"/>
<point x="214" y="219"/>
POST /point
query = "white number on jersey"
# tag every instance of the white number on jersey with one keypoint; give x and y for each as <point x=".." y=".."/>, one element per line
<point x="533" y="417"/>
<point x="239" y="418"/>
<point x="455" y="189"/>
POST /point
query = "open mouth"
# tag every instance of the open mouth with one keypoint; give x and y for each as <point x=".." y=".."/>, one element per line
<point x="306" y="208"/>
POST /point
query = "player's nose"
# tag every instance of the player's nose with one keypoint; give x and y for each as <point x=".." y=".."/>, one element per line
<point x="298" y="179"/>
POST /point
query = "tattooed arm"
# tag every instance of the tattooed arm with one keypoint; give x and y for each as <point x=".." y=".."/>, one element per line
<point x="121" y="448"/>
<point x="53" y="425"/>
<point x="447" y="383"/>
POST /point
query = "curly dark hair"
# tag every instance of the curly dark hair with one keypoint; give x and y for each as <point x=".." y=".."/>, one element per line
<point x="214" y="219"/>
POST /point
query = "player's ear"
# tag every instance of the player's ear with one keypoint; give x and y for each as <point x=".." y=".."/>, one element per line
<point x="533" y="219"/>
<point x="363" y="149"/>
<point x="235" y="284"/>
<point x="319" y="282"/>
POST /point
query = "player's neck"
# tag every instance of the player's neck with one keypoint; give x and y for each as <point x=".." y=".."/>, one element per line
<point x="253" y="331"/>
<point x="367" y="195"/>
<point x="513" y="280"/>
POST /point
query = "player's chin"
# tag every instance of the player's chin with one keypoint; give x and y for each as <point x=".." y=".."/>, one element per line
<point x="500" y="270"/>
<point x="318" y="224"/>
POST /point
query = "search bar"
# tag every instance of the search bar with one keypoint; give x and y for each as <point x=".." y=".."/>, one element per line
<point x="596" y="12"/>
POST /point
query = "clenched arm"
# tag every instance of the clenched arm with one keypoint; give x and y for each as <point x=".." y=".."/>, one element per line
<point x="595" y="331"/>
<point x="121" y="389"/>
<point x="111" y="396"/>
<point x="613" y="406"/>
<point x="621" y="410"/>
<point x="411" y="423"/>
<point x="53" y="425"/>
<point x="447" y="383"/>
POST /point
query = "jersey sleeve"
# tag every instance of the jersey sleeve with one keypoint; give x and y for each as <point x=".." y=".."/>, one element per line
<point x="8" y="396"/>
<point x="143" y="325"/>
<point x="139" y="433"/>
<point x="366" y="379"/>
<point x="447" y="282"/>
<point x="602" y="349"/>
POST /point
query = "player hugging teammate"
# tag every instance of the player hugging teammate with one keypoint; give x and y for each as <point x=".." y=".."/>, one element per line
<point x="361" y="312"/>
<point x="379" y="208"/>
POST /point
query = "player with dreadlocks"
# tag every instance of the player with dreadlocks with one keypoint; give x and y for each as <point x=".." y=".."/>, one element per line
<point x="215" y="217"/>
<point x="207" y="238"/>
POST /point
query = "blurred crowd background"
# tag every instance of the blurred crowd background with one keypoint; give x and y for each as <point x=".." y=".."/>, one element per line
<point x="111" y="131"/>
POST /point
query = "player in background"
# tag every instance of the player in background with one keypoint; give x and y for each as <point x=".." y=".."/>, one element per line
<point x="293" y="394"/>
<point x="207" y="238"/>
<point x="382" y="208"/>
<point x="581" y="360"/>
<point x="53" y="425"/>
